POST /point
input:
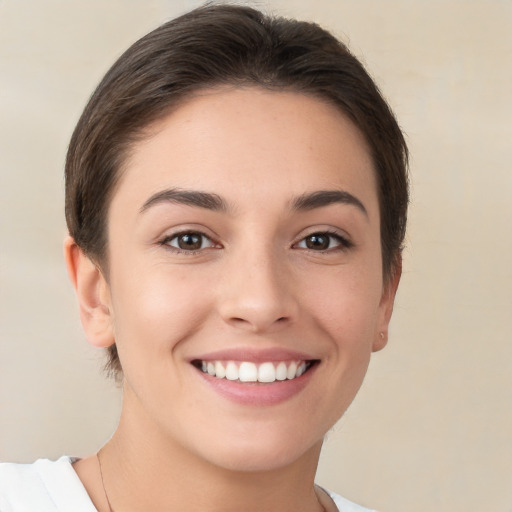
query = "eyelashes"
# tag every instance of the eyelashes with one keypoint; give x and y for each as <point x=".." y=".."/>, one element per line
<point x="324" y="241"/>
<point x="189" y="242"/>
<point x="192" y="242"/>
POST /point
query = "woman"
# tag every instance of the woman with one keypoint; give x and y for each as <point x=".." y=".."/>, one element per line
<point x="236" y="199"/>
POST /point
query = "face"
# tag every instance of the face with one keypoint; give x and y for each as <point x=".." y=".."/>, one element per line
<point x="245" y="288"/>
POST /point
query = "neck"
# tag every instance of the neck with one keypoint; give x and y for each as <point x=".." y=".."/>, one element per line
<point x="145" y="470"/>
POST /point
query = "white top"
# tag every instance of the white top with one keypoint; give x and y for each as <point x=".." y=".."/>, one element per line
<point x="54" y="486"/>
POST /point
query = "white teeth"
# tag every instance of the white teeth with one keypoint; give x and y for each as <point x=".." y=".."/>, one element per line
<point x="281" y="371"/>
<point x="301" y="369"/>
<point x="247" y="371"/>
<point x="231" y="371"/>
<point x="220" y="371"/>
<point x="266" y="373"/>
<point x="292" y="371"/>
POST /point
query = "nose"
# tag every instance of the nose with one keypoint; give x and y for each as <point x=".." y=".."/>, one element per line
<point x="257" y="294"/>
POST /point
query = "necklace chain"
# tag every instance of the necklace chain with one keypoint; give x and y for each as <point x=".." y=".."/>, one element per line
<point x="103" y="482"/>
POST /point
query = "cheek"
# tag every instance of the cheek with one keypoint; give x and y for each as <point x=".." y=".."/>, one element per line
<point x="156" y="307"/>
<point x="347" y="302"/>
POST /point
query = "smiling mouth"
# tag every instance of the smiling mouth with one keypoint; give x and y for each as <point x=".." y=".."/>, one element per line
<point x="247" y="371"/>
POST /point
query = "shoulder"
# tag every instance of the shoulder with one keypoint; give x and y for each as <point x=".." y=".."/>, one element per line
<point x="44" y="486"/>
<point x="345" y="505"/>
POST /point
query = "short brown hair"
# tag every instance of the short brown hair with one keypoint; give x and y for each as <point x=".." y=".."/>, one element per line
<point x="212" y="46"/>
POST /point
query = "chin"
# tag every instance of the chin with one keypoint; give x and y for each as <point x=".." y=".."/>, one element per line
<point x="261" y="454"/>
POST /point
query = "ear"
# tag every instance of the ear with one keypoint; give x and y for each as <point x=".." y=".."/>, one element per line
<point x="386" y="307"/>
<point x="93" y="295"/>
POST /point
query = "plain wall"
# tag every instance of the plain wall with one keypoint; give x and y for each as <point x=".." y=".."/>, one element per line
<point x="432" y="426"/>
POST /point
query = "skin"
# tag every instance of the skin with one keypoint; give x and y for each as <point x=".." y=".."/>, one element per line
<point x="254" y="284"/>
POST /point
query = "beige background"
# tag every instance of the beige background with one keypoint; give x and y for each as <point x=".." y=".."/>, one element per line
<point x="432" y="427"/>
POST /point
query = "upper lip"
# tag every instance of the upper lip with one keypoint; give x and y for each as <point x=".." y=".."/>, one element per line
<point x="255" y="355"/>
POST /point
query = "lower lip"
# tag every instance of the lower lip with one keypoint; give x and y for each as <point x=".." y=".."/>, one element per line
<point x="258" y="394"/>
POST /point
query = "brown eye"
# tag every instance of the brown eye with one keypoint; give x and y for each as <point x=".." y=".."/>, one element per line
<point x="318" y="242"/>
<point x="323" y="242"/>
<point x="189" y="241"/>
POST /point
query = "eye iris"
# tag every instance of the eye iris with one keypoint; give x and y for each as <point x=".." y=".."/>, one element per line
<point x="190" y="241"/>
<point x="318" y="242"/>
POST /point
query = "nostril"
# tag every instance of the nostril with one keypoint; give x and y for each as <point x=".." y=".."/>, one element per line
<point x="256" y="323"/>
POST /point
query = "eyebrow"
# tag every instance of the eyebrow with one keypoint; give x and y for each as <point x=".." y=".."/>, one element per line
<point x="210" y="201"/>
<point x="205" y="200"/>
<point x="325" y="198"/>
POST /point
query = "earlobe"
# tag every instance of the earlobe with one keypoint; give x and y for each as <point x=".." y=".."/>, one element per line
<point x="386" y="307"/>
<point x="380" y="342"/>
<point x="93" y="295"/>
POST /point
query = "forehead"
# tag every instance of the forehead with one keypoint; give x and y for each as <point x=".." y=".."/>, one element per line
<point x="235" y="140"/>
